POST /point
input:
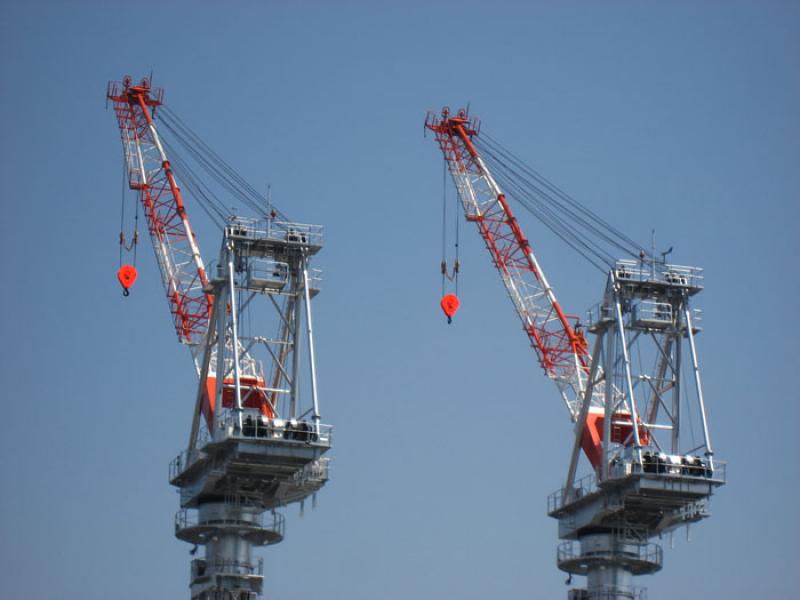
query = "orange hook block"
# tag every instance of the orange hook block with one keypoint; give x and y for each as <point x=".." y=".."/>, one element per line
<point x="450" y="304"/>
<point x="127" y="277"/>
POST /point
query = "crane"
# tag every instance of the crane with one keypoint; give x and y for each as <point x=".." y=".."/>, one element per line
<point x="647" y="475"/>
<point x="256" y="441"/>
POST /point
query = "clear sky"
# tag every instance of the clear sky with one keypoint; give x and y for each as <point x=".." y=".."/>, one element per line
<point x="678" y="116"/>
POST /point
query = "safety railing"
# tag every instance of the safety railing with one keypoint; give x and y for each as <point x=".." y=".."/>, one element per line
<point x="188" y="457"/>
<point x="116" y="88"/>
<point x="272" y="521"/>
<point x="302" y="234"/>
<point x="602" y="313"/>
<point x="314" y="471"/>
<point x="582" y="487"/>
<point x="649" y="553"/>
<point x="266" y="273"/>
<point x="668" y="465"/>
<point x="647" y="313"/>
<point x="259" y="427"/>
<point x="202" y="567"/>
<point x="653" y="464"/>
<point x="629" y="592"/>
<point x="678" y="275"/>
<point x="599" y="313"/>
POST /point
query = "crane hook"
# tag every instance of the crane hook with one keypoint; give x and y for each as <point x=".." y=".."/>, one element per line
<point x="126" y="276"/>
<point x="450" y="304"/>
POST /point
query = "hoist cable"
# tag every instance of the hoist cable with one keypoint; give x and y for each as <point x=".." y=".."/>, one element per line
<point x="556" y="220"/>
<point x="457" y="264"/>
<point x="135" y="232"/>
<point x="444" y="226"/>
<point x="536" y="195"/>
<point x="214" y="157"/>
<point x="134" y="243"/>
<point x="614" y="233"/>
<point x="207" y="202"/>
<point x="558" y="227"/>
<point x="556" y="209"/>
<point x="551" y="218"/>
<point x="216" y="166"/>
<point x="203" y="161"/>
<point x="122" y="211"/>
<point x="212" y="169"/>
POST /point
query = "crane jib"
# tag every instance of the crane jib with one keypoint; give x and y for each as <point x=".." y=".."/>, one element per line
<point x="150" y="174"/>
<point x="560" y="346"/>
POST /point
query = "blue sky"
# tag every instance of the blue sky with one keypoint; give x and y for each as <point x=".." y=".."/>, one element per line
<point x="679" y="116"/>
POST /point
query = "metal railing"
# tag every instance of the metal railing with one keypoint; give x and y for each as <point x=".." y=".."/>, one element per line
<point x="267" y="273"/>
<point x="188" y="457"/>
<point x="273" y="521"/>
<point x="667" y="465"/>
<point x="622" y="549"/>
<point x="202" y="567"/>
<point x="291" y="431"/>
<point x="258" y="427"/>
<point x="582" y="487"/>
<point x="606" y="592"/>
<point x="313" y="471"/>
<point x="678" y="275"/>
<point x="601" y="313"/>
<point x="651" y="313"/>
<point x="659" y="465"/>
<point x="302" y="234"/>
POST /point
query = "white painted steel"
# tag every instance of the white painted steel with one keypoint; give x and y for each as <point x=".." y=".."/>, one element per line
<point x="311" y="354"/>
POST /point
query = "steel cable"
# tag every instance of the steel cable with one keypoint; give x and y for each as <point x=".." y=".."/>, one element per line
<point x="584" y="231"/>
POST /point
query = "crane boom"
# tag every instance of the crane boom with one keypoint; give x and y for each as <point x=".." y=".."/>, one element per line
<point x="150" y="174"/>
<point x="562" y="351"/>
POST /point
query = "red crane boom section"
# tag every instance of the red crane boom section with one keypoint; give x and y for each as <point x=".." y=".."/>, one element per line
<point x="150" y="174"/>
<point x="561" y="350"/>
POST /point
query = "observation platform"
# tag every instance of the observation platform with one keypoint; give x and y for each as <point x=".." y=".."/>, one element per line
<point x="277" y="462"/>
<point x="262" y="529"/>
<point x="655" y="500"/>
<point x="654" y="294"/>
<point x="267" y="237"/>
<point x="658" y="277"/>
<point x="579" y="558"/>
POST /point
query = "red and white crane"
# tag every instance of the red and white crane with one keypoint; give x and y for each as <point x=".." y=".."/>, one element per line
<point x="647" y="479"/>
<point x="260" y="445"/>
<point x="560" y="347"/>
<point x="183" y="274"/>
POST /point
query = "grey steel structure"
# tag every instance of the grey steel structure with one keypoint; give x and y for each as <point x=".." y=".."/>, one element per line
<point x="257" y="441"/>
<point x="654" y="477"/>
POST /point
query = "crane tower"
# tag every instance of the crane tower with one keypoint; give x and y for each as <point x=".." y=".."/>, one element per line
<point x="256" y="440"/>
<point x="634" y="399"/>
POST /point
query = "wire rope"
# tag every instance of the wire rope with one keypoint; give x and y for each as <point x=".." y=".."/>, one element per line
<point x="225" y="174"/>
<point x="588" y="234"/>
<point x="611" y="234"/>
